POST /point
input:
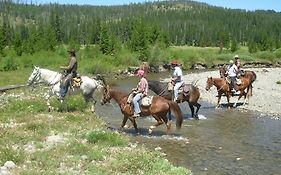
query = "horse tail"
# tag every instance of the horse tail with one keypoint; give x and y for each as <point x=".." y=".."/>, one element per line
<point x="254" y="77"/>
<point x="177" y="113"/>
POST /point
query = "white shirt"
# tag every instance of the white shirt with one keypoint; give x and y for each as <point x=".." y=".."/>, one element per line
<point x="232" y="70"/>
<point x="178" y="73"/>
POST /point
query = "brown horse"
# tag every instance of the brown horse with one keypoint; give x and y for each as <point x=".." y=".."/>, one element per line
<point x="158" y="109"/>
<point x="223" y="88"/>
<point x="161" y="89"/>
<point x="251" y="75"/>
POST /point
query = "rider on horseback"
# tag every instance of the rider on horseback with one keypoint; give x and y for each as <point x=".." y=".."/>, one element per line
<point x="140" y="91"/>
<point x="70" y="72"/>
<point x="237" y="62"/>
<point x="232" y="71"/>
<point x="176" y="79"/>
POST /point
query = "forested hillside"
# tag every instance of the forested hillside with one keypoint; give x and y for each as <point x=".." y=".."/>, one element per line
<point x="30" y="27"/>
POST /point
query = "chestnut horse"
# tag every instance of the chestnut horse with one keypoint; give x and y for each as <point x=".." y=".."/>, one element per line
<point x="223" y="88"/>
<point x="251" y="75"/>
<point x="158" y="109"/>
<point x="161" y="89"/>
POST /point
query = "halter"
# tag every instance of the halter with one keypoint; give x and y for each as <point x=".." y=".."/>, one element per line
<point x="37" y="75"/>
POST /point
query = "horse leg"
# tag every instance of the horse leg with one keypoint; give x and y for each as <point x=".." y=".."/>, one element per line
<point x="192" y="110"/>
<point x="125" y="119"/>
<point x="135" y="125"/>
<point x="159" y="122"/>
<point x="240" y="95"/>
<point x="198" y="107"/>
<point x="89" y="97"/>
<point x="228" y="97"/>
<point x="47" y="98"/>
<point x="219" y="99"/>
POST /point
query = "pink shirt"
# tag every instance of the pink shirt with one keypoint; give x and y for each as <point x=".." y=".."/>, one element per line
<point x="143" y="86"/>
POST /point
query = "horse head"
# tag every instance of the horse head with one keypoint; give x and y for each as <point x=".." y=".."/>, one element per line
<point x="106" y="96"/>
<point x="209" y="83"/>
<point x="222" y="71"/>
<point x="35" y="75"/>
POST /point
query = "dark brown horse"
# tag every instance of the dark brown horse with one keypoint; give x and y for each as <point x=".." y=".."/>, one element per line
<point x="251" y="75"/>
<point x="158" y="109"/>
<point x="161" y="89"/>
<point x="223" y="88"/>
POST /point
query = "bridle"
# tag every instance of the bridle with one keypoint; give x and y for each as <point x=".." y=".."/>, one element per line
<point x="36" y="77"/>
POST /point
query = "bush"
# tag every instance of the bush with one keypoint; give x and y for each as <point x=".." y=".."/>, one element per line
<point x="10" y="64"/>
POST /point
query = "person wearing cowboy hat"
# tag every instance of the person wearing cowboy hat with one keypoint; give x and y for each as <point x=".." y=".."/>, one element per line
<point x="139" y="92"/>
<point x="237" y="62"/>
<point x="176" y="78"/>
<point x="70" y="72"/>
<point x="232" y="71"/>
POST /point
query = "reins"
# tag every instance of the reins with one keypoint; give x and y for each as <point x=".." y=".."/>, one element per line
<point x="51" y="84"/>
<point x="222" y="86"/>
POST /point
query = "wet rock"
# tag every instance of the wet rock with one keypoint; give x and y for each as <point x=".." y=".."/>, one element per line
<point x="10" y="165"/>
<point x="199" y="66"/>
<point x="158" y="148"/>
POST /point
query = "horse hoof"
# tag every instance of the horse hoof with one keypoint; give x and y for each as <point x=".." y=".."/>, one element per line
<point x="150" y="131"/>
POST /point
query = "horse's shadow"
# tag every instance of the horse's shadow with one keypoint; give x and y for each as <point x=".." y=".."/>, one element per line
<point x="142" y="132"/>
<point x="224" y="105"/>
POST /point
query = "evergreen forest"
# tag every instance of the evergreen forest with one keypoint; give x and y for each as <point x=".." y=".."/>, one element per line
<point x="142" y="29"/>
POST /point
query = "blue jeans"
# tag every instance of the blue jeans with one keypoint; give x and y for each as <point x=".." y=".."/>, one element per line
<point x="64" y="85"/>
<point x="176" y="89"/>
<point x="233" y="83"/>
<point x="136" y="102"/>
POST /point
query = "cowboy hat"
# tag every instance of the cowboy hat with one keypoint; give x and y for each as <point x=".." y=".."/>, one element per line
<point x="71" y="51"/>
<point x="236" y="56"/>
<point x="231" y="61"/>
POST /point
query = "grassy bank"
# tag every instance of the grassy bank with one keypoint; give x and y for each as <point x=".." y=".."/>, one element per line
<point x="92" y="61"/>
<point x="69" y="140"/>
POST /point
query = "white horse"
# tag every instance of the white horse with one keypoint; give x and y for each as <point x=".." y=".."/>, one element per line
<point x="52" y="79"/>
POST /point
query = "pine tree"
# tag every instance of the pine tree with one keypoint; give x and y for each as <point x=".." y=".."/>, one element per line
<point x="104" y="40"/>
<point x="17" y="44"/>
<point x="234" y="46"/>
<point x="2" y="40"/>
<point x="50" y="38"/>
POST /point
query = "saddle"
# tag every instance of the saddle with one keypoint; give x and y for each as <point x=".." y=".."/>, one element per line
<point x="184" y="89"/>
<point x="238" y="81"/>
<point x="76" y="81"/>
<point x="145" y="101"/>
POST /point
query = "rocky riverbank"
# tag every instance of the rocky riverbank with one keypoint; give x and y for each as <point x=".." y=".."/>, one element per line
<point x="266" y="92"/>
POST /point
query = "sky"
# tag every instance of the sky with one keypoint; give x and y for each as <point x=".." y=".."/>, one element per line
<point x="233" y="4"/>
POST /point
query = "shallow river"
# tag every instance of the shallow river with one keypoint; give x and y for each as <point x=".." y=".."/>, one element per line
<point x="222" y="142"/>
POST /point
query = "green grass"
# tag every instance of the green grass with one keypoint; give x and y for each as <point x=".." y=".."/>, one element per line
<point x="278" y="82"/>
<point x="91" y="61"/>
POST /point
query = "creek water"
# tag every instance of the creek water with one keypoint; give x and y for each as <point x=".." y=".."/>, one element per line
<point x="222" y="142"/>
